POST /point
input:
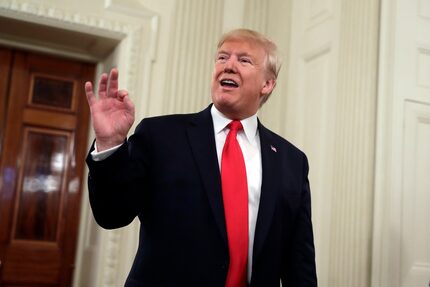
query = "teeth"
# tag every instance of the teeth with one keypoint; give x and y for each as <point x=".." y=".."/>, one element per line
<point x="229" y="82"/>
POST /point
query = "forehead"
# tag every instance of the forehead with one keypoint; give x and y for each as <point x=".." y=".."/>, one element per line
<point x="243" y="47"/>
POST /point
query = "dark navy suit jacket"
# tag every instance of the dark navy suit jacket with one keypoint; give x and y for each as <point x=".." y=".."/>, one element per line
<point x="167" y="174"/>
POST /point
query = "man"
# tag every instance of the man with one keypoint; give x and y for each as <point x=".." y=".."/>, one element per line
<point x="222" y="200"/>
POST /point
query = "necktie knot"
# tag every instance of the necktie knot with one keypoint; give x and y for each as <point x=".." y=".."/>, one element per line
<point x="235" y="126"/>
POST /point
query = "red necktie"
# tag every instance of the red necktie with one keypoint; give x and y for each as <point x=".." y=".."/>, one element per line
<point x="235" y="198"/>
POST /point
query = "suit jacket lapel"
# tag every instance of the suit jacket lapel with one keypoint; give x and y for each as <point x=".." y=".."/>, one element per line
<point x="202" y="141"/>
<point x="270" y="178"/>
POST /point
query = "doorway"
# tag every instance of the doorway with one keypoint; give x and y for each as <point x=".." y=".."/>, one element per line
<point x="44" y="120"/>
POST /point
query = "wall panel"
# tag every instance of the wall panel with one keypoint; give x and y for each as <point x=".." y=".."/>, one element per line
<point x="415" y="231"/>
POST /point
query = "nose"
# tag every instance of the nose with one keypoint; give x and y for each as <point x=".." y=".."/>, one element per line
<point x="229" y="66"/>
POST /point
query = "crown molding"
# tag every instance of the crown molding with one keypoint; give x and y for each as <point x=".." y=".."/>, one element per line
<point x="64" y="19"/>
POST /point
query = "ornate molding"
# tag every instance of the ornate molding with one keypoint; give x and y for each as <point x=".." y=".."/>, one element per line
<point x="44" y="14"/>
<point x="111" y="263"/>
<point x="136" y="53"/>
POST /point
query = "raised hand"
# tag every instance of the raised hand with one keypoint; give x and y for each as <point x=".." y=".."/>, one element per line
<point x="112" y="113"/>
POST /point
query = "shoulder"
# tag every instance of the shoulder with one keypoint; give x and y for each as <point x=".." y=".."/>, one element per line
<point x="271" y="137"/>
<point x="174" y="120"/>
<point x="167" y="122"/>
<point x="172" y="125"/>
<point x="283" y="147"/>
<point x="290" y="159"/>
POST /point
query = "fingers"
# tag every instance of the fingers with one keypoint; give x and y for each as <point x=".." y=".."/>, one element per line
<point x="90" y="94"/>
<point x="113" y="83"/>
<point x="103" y="85"/>
<point x="108" y="87"/>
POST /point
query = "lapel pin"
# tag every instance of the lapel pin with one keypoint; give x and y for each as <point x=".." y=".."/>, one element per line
<point x="273" y="148"/>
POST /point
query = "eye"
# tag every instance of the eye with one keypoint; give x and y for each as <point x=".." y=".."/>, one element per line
<point x="245" y="60"/>
<point x="221" y="58"/>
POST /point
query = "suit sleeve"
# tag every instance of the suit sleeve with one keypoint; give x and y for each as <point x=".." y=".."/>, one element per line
<point x="300" y="270"/>
<point x="117" y="184"/>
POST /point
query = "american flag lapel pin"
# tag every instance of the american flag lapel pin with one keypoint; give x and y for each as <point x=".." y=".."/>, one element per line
<point x="273" y="148"/>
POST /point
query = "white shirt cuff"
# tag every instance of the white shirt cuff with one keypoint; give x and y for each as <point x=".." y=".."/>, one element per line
<point x="99" y="156"/>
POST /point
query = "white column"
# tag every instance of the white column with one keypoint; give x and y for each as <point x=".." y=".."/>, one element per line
<point x="352" y="206"/>
<point x="234" y="14"/>
<point x="196" y="30"/>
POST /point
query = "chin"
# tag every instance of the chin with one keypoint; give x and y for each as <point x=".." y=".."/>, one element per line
<point x="227" y="110"/>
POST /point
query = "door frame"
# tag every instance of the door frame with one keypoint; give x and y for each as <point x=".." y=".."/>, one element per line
<point x="103" y="258"/>
<point x="385" y="257"/>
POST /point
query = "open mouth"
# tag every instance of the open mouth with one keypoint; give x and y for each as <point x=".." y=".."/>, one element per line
<point x="229" y="83"/>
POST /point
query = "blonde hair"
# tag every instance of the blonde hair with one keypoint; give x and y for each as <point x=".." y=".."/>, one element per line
<point x="273" y="63"/>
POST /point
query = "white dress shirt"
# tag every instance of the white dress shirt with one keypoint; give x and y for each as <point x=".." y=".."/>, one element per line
<point x="249" y="141"/>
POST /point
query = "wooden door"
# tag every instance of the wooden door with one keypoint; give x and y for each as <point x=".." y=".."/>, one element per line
<point x="44" y="126"/>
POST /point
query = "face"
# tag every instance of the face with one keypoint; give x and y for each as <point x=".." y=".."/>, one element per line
<point x="240" y="79"/>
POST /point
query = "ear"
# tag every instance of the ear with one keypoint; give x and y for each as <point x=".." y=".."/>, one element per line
<point x="268" y="86"/>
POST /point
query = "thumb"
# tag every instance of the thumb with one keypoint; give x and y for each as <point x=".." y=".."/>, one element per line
<point x="121" y="94"/>
<point x="129" y="104"/>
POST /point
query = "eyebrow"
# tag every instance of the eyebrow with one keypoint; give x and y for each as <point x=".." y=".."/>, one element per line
<point x="239" y="55"/>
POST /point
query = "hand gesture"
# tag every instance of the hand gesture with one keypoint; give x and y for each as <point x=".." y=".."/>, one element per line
<point x="112" y="113"/>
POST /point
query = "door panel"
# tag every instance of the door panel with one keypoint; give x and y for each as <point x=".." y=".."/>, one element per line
<point x="41" y="185"/>
<point x="41" y="169"/>
<point x="311" y="111"/>
<point x="415" y="250"/>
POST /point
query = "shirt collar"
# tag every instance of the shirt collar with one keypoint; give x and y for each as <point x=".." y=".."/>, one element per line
<point x="220" y="122"/>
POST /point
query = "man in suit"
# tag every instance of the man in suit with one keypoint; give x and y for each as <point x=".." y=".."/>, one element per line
<point x="222" y="200"/>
